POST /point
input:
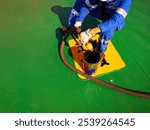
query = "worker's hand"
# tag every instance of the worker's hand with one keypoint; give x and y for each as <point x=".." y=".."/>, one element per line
<point x="78" y="27"/>
<point x="85" y="37"/>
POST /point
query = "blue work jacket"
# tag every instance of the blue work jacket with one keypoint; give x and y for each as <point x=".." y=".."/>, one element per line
<point x="112" y="13"/>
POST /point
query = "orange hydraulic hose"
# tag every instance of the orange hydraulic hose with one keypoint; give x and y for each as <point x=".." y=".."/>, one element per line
<point x="101" y="82"/>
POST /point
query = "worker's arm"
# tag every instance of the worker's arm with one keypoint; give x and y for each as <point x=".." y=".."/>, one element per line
<point x="75" y="12"/>
<point x="117" y="20"/>
<point x="81" y="9"/>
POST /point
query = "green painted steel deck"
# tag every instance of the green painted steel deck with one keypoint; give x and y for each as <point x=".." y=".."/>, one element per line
<point x="33" y="77"/>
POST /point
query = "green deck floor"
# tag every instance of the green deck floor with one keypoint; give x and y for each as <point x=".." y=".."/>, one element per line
<point x="33" y="77"/>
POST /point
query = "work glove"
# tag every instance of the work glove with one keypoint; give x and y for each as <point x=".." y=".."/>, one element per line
<point x="85" y="37"/>
<point x="78" y="25"/>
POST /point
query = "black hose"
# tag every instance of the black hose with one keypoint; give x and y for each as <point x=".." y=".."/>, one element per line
<point x="101" y="82"/>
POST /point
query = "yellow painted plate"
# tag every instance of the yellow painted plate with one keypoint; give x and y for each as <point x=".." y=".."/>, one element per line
<point x="111" y="55"/>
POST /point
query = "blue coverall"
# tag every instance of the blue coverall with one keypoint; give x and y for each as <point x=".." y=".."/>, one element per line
<point x="112" y="13"/>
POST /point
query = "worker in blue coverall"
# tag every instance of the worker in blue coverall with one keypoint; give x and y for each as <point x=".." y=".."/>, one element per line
<point x="111" y="12"/>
